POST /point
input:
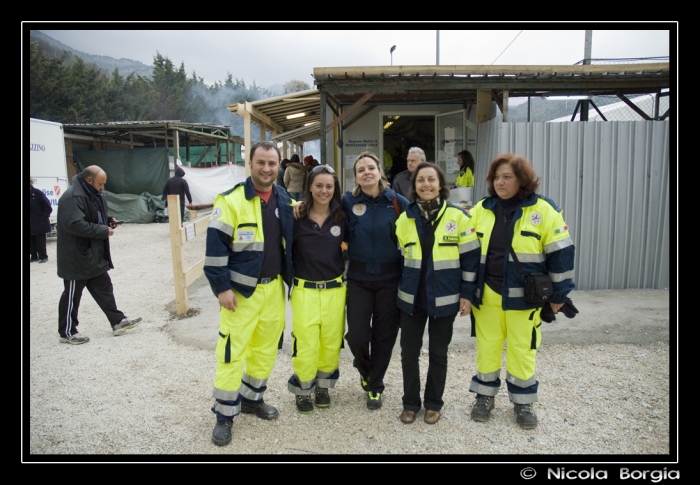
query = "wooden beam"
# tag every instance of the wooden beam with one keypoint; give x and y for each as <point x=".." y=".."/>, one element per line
<point x="495" y="97"/>
<point x="483" y="105"/>
<point x="358" y="117"/>
<point x="633" y="106"/>
<point x="262" y="117"/>
<point x="350" y="110"/>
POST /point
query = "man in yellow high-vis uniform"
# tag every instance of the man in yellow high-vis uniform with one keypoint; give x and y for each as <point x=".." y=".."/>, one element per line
<point x="247" y="265"/>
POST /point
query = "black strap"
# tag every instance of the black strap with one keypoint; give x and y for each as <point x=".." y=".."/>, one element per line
<point x="500" y="216"/>
<point x="322" y="285"/>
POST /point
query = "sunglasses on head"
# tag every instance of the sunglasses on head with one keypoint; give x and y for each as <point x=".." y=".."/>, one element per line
<point x="321" y="168"/>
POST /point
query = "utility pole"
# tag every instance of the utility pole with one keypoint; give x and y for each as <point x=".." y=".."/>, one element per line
<point x="587" y="44"/>
<point x="437" y="48"/>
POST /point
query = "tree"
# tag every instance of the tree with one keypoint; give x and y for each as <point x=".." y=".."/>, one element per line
<point x="294" y="86"/>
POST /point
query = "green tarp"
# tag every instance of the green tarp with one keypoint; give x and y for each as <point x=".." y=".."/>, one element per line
<point x="138" y="209"/>
<point x="129" y="171"/>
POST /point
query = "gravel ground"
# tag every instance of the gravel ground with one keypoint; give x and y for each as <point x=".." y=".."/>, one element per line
<point x="146" y="393"/>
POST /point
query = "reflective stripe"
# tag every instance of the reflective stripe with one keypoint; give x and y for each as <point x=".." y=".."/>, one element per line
<point x="489" y="377"/>
<point x="557" y="245"/>
<point x="529" y="258"/>
<point x="468" y="246"/>
<point x="482" y="389"/>
<point x="243" y="279"/>
<point x="251" y="382"/>
<point x="521" y="383"/>
<point x="412" y="263"/>
<point x="446" y="264"/>
<point x="482" y="259"/>
<point x="327" y="383"/>
<point x="447" y="300"/>
<point x="468" y="276"/>
<point x="247" y="246"/>
<point x="225" y="395"/>
<point x="406" y="297"/>
<point x="216" y="261"/>
<point x="522" y="398"/>
<point x="221" y="226"/>
<point x="559" y="277"/>
<point x="516" y="292"/>
<point x="226" y="410"/>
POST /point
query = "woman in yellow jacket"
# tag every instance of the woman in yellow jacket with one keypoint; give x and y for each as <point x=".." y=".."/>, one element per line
<point x="466" y="169"/>
<point x="440" y="260"/>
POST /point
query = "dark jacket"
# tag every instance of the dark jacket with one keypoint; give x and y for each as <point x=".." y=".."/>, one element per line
<point x="372" y="246"/>
<point x="177" y="185"/>
<point x="82" y="244"/>
<point x="39" y="211"/>
<point x="402" y="183"/>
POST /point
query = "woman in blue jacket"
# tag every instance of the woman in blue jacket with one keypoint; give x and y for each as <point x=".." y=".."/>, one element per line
<point x="373" y="274"/>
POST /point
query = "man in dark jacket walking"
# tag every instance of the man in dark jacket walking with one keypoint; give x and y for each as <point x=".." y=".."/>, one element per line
<point x="177" y="185"/>
<point x="39" y="223"/>
<point x="83" y="257"/>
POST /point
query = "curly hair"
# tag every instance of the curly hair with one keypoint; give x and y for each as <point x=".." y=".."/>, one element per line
<point x="529" y="182"/>
<point x="444" y="190"/>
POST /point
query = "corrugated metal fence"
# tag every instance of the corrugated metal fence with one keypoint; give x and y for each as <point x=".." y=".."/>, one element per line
<point x="612" y="180"/>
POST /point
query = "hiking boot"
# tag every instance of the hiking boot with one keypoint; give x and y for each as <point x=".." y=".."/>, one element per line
<point x="304" y="404"/>
<point x="374" y="400"/>
<point x="221" y="436"/>
<point x="364" y="382"/>
<point x="525" y="416"/>
<point x="323" y="400"/>
<point x="482" y="408"/>
<point x="75" y="339"/>
<point x="260" y="409"/>
<point x="125" y="325"/>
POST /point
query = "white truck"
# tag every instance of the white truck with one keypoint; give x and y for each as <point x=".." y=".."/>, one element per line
<point x="47" y="161"/>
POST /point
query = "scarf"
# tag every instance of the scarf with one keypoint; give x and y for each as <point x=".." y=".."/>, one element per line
<point x="428" y="208"/>
<point x="96" y="199"/>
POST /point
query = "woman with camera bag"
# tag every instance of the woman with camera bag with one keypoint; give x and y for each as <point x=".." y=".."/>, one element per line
<point x="522" y="233"/>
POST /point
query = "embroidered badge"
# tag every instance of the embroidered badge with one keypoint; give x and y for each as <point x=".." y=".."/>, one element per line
<point x="535" y="218"/>
<point x="335" y="230"/>
<point x="453" y="239"/>
<point x="451" y="227"/>
<point x="359" y="209"/>
<point x="216" y="213"/>
<point x="561" y="229"/>
<point x="464" y="233"/>
<point x="245" y="236"/>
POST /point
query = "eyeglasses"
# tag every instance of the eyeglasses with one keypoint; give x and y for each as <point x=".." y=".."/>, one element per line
<point x="321" y="168"/>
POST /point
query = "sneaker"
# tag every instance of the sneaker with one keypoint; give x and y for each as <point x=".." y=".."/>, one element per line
<point x="125" y="325"/>
<point x="221" y="436"/>
<point x="45" y="260"/>
<point x="75" y="339"/>
<point x="323" y="400"/>
<point x="525" y="416"/>
<point x="364" y="382"/>
<point x="260" y="409"/>
<point x="482" y="407"/>
<point x="304" y="404"/>
<point x="374" y="400"/>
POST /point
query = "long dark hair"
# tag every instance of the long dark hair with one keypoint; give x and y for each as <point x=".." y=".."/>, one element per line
<point x="304" y="208"/>
<point x="467" y="160"/>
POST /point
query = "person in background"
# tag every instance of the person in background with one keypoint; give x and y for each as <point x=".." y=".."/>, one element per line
<point x="318" y="297"/>
<point x="247" y="265"/>
<point x="441" y="258"/>
<point x="83" y="257"/>
<point x="39" y="223"/>
<point x="295" y="178"/>
<point x="177" y="185"/>
<point x="514" y="216"/>
<point x="402" y="181"/>
<point x="280" y="175"/>
<point x="466" y="170"/>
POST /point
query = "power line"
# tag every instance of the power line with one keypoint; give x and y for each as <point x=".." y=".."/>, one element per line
<point x="499" y="55"/>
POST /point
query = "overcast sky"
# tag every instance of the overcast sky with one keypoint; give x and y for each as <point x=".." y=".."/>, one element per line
<point x="269" y="56"/>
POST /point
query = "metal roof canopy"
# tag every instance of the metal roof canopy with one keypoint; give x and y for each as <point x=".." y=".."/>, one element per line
<point x="432" y="84"/>
<point x="153" y="133"/>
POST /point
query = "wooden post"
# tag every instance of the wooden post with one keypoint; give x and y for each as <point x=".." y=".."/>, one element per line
<point x="177" y="254"/>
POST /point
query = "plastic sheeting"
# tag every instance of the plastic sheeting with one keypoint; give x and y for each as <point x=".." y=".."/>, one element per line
<point x="206" y="183"/>
<point x="137" y="209"/>
<point x="129" y="171"/>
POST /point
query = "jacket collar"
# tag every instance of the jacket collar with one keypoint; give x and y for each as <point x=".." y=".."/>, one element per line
<point x="490" y="202"/>
<point x="388" y="194"/>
